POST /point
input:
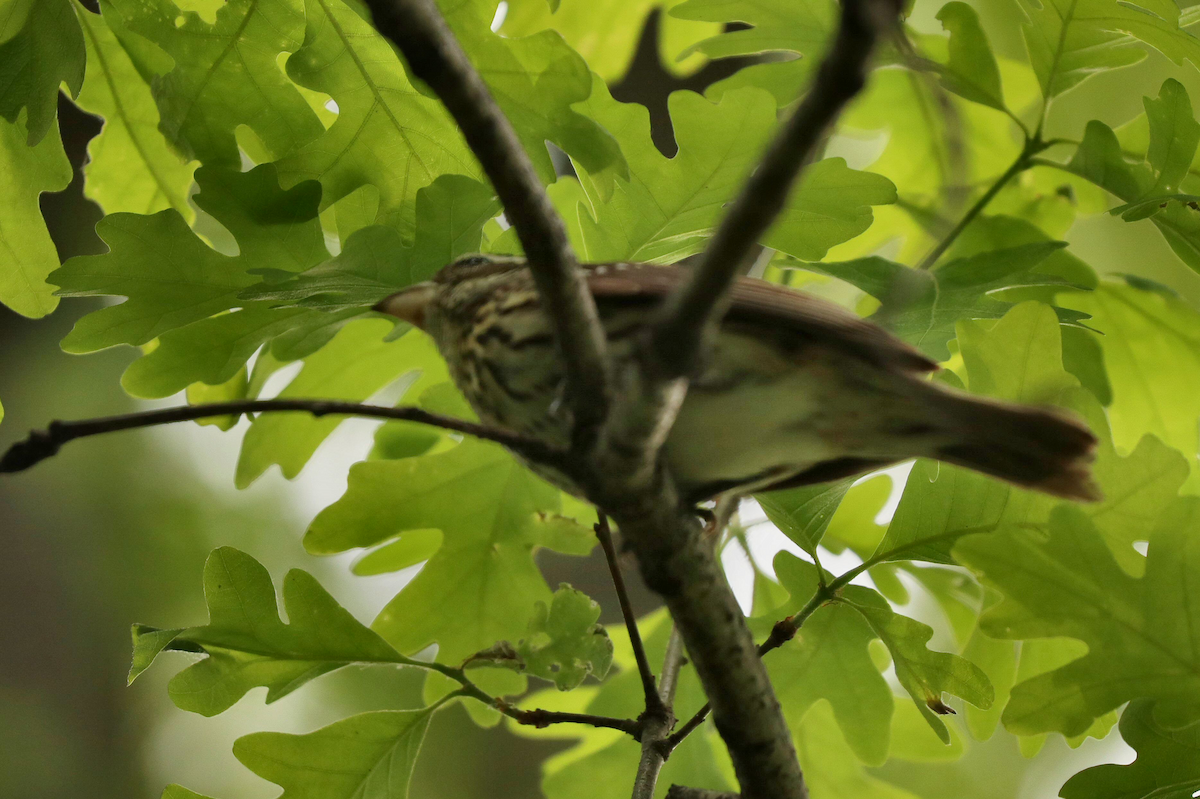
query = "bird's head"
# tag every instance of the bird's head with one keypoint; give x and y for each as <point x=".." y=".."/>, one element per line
<point x="459" y="284"/>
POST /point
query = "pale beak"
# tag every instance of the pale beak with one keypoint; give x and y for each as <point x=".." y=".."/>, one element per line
<point x="410" y="304"/>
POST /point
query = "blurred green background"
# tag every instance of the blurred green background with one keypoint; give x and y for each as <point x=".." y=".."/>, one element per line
<point x="116" y="529"/>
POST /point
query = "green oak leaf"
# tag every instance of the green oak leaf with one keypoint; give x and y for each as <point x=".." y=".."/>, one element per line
<point x="246" y="643"/>
<point x="46" y="52"/>
<point x="130" y="166"/>
<point x="225" y="75"/>
<point x="482" y="584"/>
<point x="803" y="514"/>
<point x="1151" y="350"/>
<point x="829" y="660"/>
<point x="374" y="263"/>
<point x="387" y="134"/>
<point x="368" y="756"/>
<point x="235" y="388"/>
<point x="358" y="362"/>
<point x="536" y="80"/>
<point x="854" y="526"/>
<point x="924" y="153"/>
<point x="669" y="207"/>
<point x="171" y="278"/>
<point x="606" y="33"/>
<point x="12" y="17"/>
<point x="563" y="643"/>
<point x="1167" y="765"/>
<point x="971" y="71"/>
<point x="450" y="214"/>
<point x="1070" y="40"/>
<point x="922" y="306"/>
<point x="28" y="253"/>
<point x="413" y="547"/>
<point x="776" y="26"/>
<point x="1138" y="632"/>
<point x="1173" y="137"/>
<point x="1041" y="656"/>
<point x="1018" y="359"/>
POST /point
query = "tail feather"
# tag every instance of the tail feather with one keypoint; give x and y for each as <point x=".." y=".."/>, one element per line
<point x="1036" y="448"/>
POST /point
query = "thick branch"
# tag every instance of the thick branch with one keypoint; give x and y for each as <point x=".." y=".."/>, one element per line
<point x="694" y="311"/>
<point x="43" y="444"/>
<point x="604" y="535"/>
<point x="434" y="56"/>
<point x="678" y="562"/>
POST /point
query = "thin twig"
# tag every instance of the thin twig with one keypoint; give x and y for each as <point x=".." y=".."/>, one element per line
<point x="532" y="718"/>
<point x="692" y="313"/>
<point x="656" y="727"/>
<point x="604" y="534"/>
<point x="43" y="444"/>
<point x="435" y="56"/>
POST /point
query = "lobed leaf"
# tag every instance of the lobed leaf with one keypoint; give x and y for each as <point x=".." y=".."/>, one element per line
<point x="481" y="585"/>
<point x="225" y="75"/>
<point x="1146" y="186"/>
<point x="971" y="71"/>
<point x="800" y="30"/>
<point x="130" y="166"/>
<point x="45" y="52"/>
<point x="922" y="307"/>
<point x="669" y="207"/>
<point x="1070" y="40"/>
<point x="1138" y="632"/>
<point x="1167" y="765"/>
<point x="29" y="254"/>
<point x="564" y="644"/>
<point x="247" y="645"/>
<point x="368" y="756"/>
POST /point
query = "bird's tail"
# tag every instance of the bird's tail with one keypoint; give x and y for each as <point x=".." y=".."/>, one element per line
<point x="1035" y="448"/>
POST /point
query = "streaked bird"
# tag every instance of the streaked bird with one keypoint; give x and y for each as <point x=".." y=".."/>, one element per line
<point x="793" y="391"/>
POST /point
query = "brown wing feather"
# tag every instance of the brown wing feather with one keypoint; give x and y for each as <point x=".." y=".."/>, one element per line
<point x="762" y="303"/>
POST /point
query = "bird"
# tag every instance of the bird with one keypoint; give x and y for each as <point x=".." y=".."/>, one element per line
<point x="793" y="391"/>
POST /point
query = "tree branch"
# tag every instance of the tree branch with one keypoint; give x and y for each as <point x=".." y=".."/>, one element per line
<point x="604" y="534"/>
<point x="692" y="313"/>
<point x="657" y="726"/>
<point x="44" y="444"/>
<point x="434" y="56"/>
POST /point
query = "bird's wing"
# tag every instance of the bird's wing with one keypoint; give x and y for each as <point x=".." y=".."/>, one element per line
<point x="775" y="308"/>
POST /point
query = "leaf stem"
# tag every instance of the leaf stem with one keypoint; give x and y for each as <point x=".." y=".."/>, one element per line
<point x="1023" y="162"/>
<point x="44" y="444"/>
<point x="604" y="534"/>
